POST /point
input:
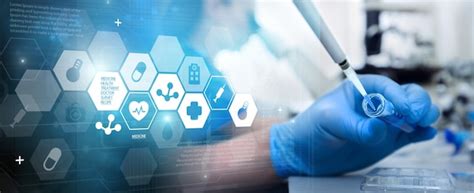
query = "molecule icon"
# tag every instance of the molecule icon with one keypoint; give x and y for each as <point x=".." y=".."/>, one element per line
<point x="108" y="129"/>
<point x="168" y="97"/>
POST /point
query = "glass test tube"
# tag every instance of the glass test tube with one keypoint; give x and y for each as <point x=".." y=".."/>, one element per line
<point x="385" y="110"/>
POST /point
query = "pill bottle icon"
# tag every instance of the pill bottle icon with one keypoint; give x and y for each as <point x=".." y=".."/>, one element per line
<point x="137" y="74"/>
<point x="52" y="159"/>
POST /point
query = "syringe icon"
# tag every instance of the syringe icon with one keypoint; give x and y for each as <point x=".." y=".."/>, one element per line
<point x="18" y="117"/>
<point x="219" y="93"/>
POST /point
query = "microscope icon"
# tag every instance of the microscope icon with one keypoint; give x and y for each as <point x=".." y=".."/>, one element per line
<point x="168" y="95"/>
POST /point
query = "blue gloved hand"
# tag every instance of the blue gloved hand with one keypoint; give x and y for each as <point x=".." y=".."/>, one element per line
<point x="334" y="136"/>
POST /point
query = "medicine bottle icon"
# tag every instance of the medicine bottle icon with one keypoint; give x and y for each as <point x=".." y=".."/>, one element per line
<point x="139" y="71"/>
<point x="194" y="74"/>
<point x="52" y="159"/>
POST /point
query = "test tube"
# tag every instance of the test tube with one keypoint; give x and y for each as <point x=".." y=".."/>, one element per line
<point x="385" y="111"/>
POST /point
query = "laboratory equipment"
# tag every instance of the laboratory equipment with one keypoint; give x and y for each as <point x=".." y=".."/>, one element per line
<point x="243" y="111"/>
<point x="74" y="73"/>
<point x="219" y="93"/>
<point x="18" y="117"/>
<point x="139" y="71"/>
<point x="385" y="110"/>
<point x="168" y="95"/>
<point x="321" y="30"/>
<point x="407" y="180"/>
<point x="52" y="159"/>
<point x="194" y="74"/>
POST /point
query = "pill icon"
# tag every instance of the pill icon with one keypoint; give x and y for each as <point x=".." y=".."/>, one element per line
<point x="52" y="159"/>
<point x="137" y="74"/>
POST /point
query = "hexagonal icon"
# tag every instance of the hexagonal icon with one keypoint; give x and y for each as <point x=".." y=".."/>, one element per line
<point x="219" y="93"/>
<point x="74" y="112"/>
<point x="138" y="72"/>
<point x="40" y="93"/>
<point x="194" y="74"/>
<point x="107" y="91"/>
<point x="243" y="110"/>
<point x="74" y="70"/>
<point x="107" y="51"/>
<point x="167" y="53"/>
<point x="167" y="91"/>
<point x="21" y="54"/>
<point x="15" y="121"/>
<point x="138" y="111"/>
<point x="109" y="122"/>
<point x="194" y="111"/>
<point x="138" y="166"/>
<point x="167" y="129"/>
<point x="52" y="159"/>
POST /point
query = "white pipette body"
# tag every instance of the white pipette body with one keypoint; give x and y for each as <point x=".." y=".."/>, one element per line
<point x="321" y="30"/>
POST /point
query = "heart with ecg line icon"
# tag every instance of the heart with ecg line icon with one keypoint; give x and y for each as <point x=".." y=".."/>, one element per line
<point x="138" y="110"/>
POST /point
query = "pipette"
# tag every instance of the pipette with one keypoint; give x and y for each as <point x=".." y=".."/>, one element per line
<point x="319" y="27"/>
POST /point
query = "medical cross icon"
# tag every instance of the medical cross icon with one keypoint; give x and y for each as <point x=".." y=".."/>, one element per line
<point x="194" y="110"/>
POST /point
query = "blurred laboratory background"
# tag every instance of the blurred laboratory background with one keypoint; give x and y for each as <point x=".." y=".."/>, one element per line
<point x="429" y="42"/>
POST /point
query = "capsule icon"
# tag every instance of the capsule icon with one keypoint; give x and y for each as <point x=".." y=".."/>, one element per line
<point x="137" y="74"/>
<point x="52" y="159"/>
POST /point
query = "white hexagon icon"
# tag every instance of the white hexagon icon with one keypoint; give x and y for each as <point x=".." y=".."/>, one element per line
<point x="167" y="54"/>
<point x="138" y="72"/>
<point x="107" y="91"/>
<point x="74" y="70"/>
<point x="107" y="51"/>
<point x="167" y="91"/>
<point x="194" y="74"/>
<point x="194" y="111"/>
<point x="38" y="90"/>
<point x="243" y="110"/>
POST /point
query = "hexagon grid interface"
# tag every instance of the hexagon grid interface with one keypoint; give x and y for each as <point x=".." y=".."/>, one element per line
<point x="19" y="55"/>
<point x="219" y="93"/>
<point x="107" y="91"/>
<point x="138" y="166"/>
<point x="243" y="110"/>
<point x="138" y="111"/>
<point x="194" y="111"/>
<point x="167" y="54"/>
<point x="194" y="74"/>
<point x="74" y="70"/>
<point x="107" y="51"/>
<point x="167" y="129"/>
<point x="13" y="127"/>
<point x="40" y="93"/>
<point x="74" y="112"/>
<point x="138" y="72"/>
<point x="167" y="91"/>
<point x="52" y="159"/>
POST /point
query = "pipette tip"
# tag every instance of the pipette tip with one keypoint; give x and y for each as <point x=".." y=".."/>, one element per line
<point x="369" y="101"/>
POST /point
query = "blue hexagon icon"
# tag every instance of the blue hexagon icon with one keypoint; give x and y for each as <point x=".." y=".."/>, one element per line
<point x="194" y="74"/>
<point x="219" y="93"/>
<point x="38" y="90"/>
<point x="107" y="51"/>
<point x="167" y="54"/>
<point x="138" y="111"/>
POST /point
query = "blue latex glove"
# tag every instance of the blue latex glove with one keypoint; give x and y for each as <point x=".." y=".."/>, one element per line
<point x="334" y="136"/>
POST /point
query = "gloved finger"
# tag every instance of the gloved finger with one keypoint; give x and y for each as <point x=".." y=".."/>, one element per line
<point x="353" y="127"/>
<point x="391" y="90"/>
<point x="422" y="134"/>
<point x="430" y="117"/>
<point x="419" y="101"/>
